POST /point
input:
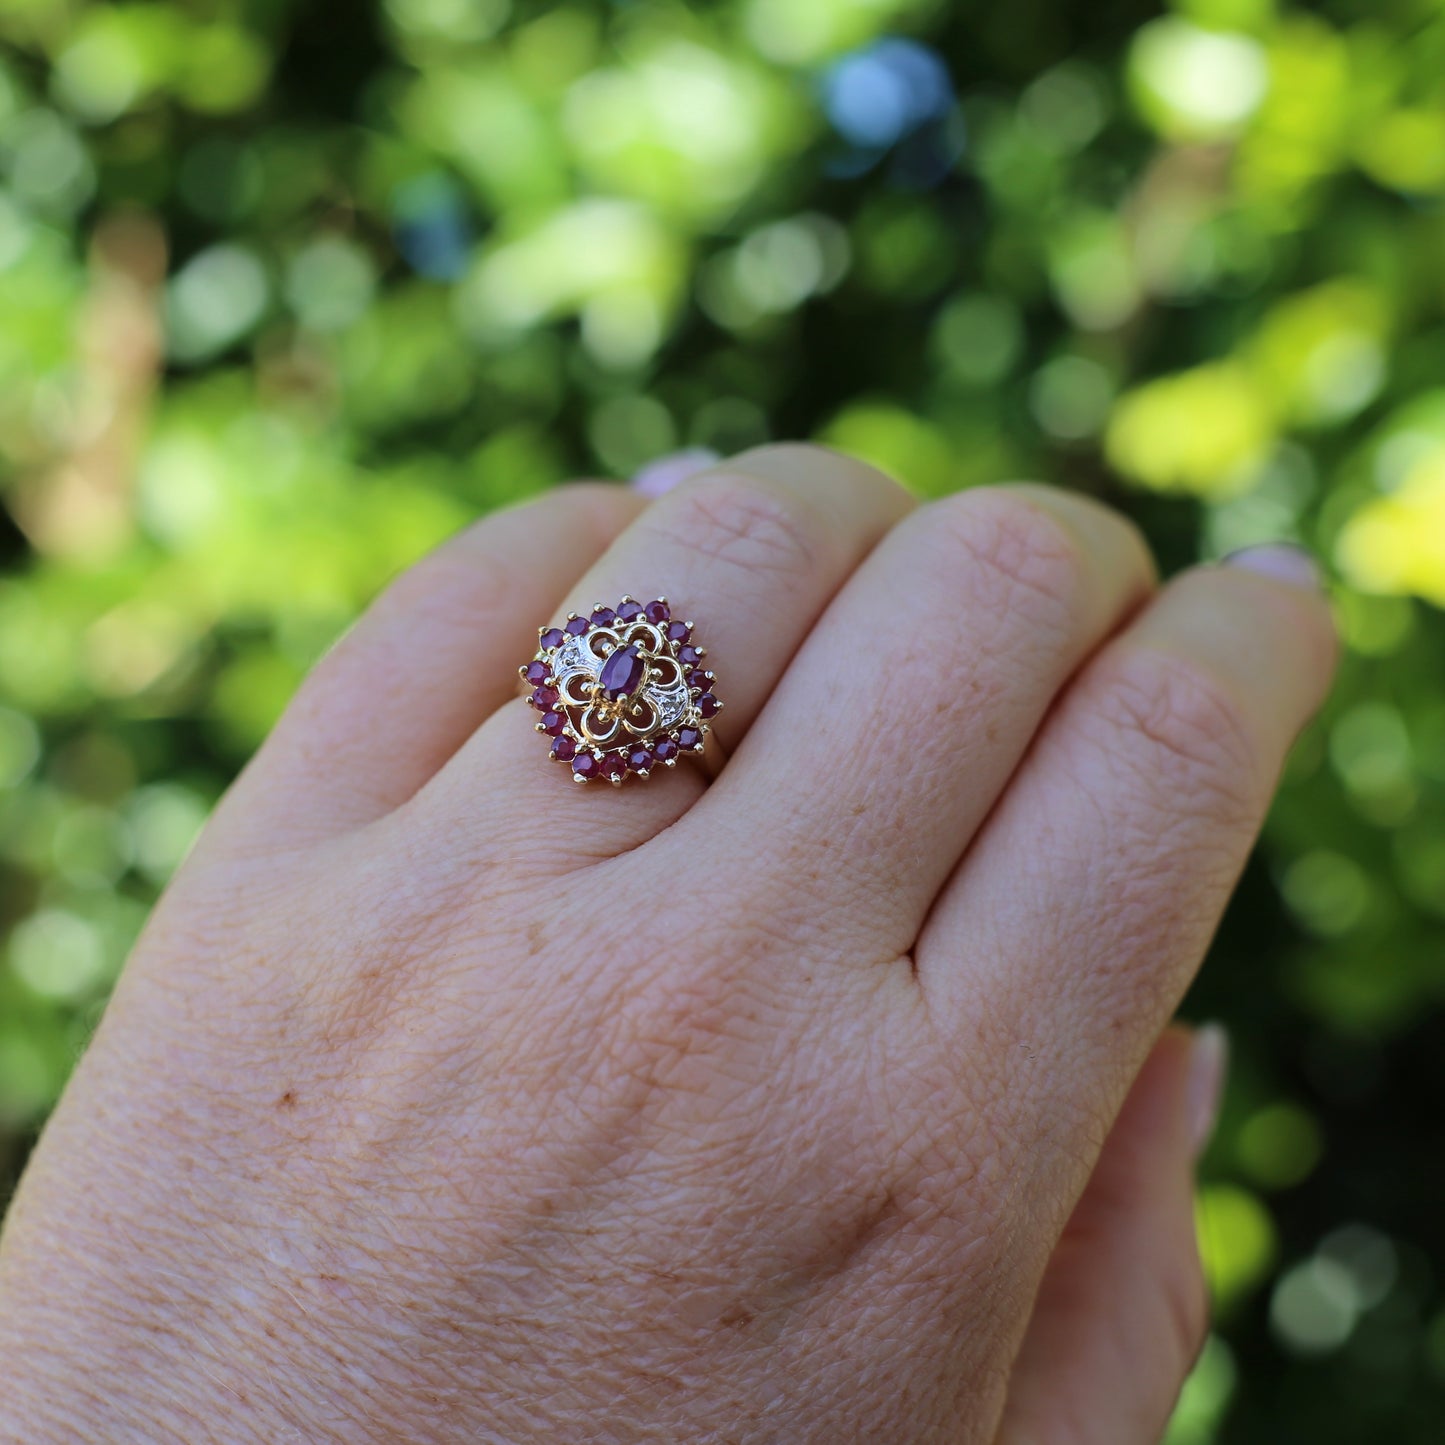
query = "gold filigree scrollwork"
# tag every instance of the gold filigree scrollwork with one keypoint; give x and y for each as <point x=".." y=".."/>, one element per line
<point x="642" y="717"/>
<point x="600" y="727"/>
<point x="576" y="688"/>
<point x="646" y="636"/>
<point x="605" y="636"/>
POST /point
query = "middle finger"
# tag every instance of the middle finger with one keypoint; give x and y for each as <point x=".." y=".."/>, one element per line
<point x="902" y="718"/>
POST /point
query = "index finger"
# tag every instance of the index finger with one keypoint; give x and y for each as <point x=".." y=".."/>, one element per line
<point x="1074" y="925"/>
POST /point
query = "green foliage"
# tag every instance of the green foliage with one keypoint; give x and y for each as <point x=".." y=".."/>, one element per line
<point x="283" y="301"/>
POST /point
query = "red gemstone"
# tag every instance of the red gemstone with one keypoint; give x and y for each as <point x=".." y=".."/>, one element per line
<point x="622" y="673"/>
<point x="700" y="680"/>
<point x="564" y="749"/>
<point x="630" y="611"/>
<point x="658" y="612"/>
<point x="639" y="760"/>
<point x="604" y="617"/>
<point x="678" y="632"/>
<point x="553" y="637"/>
<point x="689" y="656"/>
<point x="577" y="626"/>
<point x="708" y="705"/>
<point x="536" y="673"/>
<point x="585" y="765"/>
<point x="666" y="750"/>
<point x="689" y="738"/>
<point x="553" y="724"/>
<point x="614" y="765"/>
<point x="544" y="698"/>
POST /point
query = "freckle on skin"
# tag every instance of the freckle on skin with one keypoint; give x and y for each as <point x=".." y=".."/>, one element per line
<point x="536" y="939"/>
<point x="287" y="1100"/>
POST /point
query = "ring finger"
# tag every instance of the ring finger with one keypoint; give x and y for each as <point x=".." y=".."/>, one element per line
<point x="904" y="716"/>
<point x="751" y="551"/>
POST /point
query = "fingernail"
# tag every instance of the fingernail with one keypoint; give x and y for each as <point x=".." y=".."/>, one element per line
<point x="666" y="472"/>
<point x="1282" y="561"/>
<point x="1208" y="1065"/>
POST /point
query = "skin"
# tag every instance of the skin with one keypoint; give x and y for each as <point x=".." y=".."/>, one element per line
<point x="831" y="1100"/>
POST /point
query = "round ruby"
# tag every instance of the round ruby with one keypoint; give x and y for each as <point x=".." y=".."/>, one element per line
<point x="630" y="611"/>
<point x="689" y="739"/>
<point x="604" y="617"/>
<point x="708" y="705"/>
<point x="544" y="698"/>
<point x="622" y="673"/>
<point x="689" y="656"/>
<point x="564" y="749"/>
<point x="553" y="637"/>
<point x="639" y="760"/>
<point x="537" y="673"/>
<point x="614" y="766"/>
<point x="657" y="612"/>
<point x="678" y="632"/>
<point x="577" y="626"/>
<point x="553" y="724"/>
<point x="585" y="765"/>
<point x="700" y="680"/>
<point x="666" y="750"/>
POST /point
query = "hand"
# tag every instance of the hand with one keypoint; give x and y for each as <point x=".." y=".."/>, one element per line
<point x="444" y="1100"/>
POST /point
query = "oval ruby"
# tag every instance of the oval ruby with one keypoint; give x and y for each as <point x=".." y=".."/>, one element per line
<point x="630" y="611"/>
<point x="708" y="705"/>
<point x="622" y="673"/>
<point x="678" y="632"/>
<point x="614" y="765"/>
<point x="657" y="612"/>
<point x="604" y="617"/>
<point x="544" y="698"/>
<point x="564" y="749"/>
<point x="553" y="637"/>
<point x="639" y="760"/>
<point x="689" y="656"/>
<point x="553" y="724"/>
<point x="585" y="765"/>
<point x="577" y="626"/>
<point x="536" y="673"/>
<point x="700" y="680"/>
<point x="689" y="738"/>
<point x="665" y="750"/>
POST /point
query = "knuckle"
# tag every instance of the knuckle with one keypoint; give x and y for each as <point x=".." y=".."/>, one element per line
<point x="745" y="522"/>
<point x="1017" y="554"/>
<point x="1181" y="729"/>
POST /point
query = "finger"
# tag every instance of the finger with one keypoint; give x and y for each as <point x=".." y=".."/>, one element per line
<point x="913" y="700"/>
<point x="428" y="662"/>
<point x="750" y="551"/>
<point x="1122" y="1311"/>
<point x="1089" y="899"/>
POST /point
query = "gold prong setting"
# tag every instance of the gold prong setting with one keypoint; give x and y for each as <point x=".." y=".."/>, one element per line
<point x="623" y="692"/>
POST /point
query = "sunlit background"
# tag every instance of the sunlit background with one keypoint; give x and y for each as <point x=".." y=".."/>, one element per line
<point x="290" y="291"/>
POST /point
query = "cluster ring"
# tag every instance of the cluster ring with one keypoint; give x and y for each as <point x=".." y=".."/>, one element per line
<point x="622" y="691"/>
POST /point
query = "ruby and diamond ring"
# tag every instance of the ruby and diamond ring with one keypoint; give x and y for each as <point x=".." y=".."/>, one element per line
<point x="622" y="691"/>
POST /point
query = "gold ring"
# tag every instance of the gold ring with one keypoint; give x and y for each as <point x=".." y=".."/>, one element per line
<point x="623" y="691"/>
